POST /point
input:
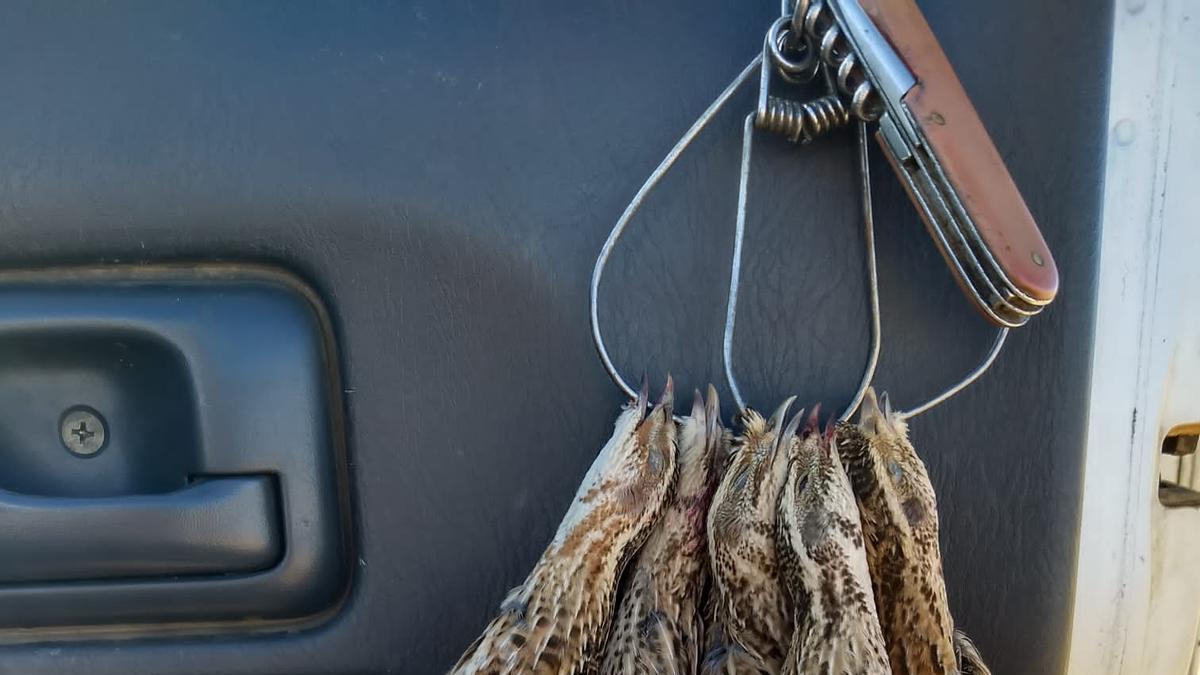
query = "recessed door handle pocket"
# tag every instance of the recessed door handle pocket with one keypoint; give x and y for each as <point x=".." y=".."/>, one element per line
<point x="214" y="526"/>
<point x="171" y="451"/>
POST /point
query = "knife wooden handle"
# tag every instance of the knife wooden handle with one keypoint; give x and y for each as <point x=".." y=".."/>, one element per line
<point x="957" y="137"/>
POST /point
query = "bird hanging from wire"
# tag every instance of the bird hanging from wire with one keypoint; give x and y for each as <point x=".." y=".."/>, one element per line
<point x="752" y="607"/>
<point x="721" y="655"/>
<point x="823" y="560"/>
<point x="900" y="526"/>
<point x="659" y="626"/>
<point x="557" y="621"/>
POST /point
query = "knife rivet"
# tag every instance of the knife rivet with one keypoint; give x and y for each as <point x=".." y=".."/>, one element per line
<point x="936" y="118"/>
<point x="1037" y="259"/>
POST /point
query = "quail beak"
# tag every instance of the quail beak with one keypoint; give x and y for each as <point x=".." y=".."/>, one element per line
<point x="870" y="418"/>
<point x="788" y="438"/>
<point x="643" y="399"/>
<point x="828" y="439"/>
<point x="814" y="421"/>
<point x="712" y="415"/>
<point x="877" y="416"/>
<point x="665" y="408"/>
<point x="698" y="411"/>
<point x="776" y="421"/>
<point x="667" y="400"/>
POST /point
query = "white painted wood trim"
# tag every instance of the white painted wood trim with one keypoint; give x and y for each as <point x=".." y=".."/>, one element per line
<point x="1137" y="600"/>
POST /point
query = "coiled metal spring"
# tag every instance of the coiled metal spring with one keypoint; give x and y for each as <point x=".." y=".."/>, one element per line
<point x="802" y="122"/>
<point x="815" y="19"/>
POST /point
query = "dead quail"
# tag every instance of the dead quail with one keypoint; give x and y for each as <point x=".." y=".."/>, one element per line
<point x="556" y="622"/>
<point x="722" y="656"/>
<point x="658" y="626"/>
<point x="751" y="605"/>
<point x="824" y="564"/>
<point x="900" y="524"/>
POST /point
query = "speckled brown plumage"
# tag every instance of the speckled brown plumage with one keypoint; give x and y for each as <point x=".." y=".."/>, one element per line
<point x="824" y="564"/>
<point x="557" y="621"/>
<point x="751" y="605"/>
<point x="721" y="655"/>
<point x="900" y="524"/>
<point x="658" y="628"/>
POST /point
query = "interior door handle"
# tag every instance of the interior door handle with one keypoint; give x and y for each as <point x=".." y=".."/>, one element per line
<point x="172" y="448"/>
<point x="219" y="525"/>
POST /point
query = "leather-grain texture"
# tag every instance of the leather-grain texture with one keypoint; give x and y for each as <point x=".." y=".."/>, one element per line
<point x="443" y="174"/>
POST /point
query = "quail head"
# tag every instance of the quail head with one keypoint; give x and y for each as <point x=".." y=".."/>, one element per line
<point x="556" y="622"/>
<point x="658" y="627"/>
<point x="900" y="526"/>
<point x="751" y="606"/>
<point x="824" y="563"/>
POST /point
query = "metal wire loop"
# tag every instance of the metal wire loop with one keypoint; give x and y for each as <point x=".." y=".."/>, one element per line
<point x="635" y="205"/>
<point x="967" y="381"/>
<point x="783" y="45"/>
<point x="739" y="238"/>
<point x="790" y="118"/>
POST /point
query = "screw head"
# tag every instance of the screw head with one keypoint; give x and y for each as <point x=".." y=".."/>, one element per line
<point x="82" y="431"/>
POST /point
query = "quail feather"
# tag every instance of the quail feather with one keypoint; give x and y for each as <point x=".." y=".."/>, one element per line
<point x="556" y="622"/>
